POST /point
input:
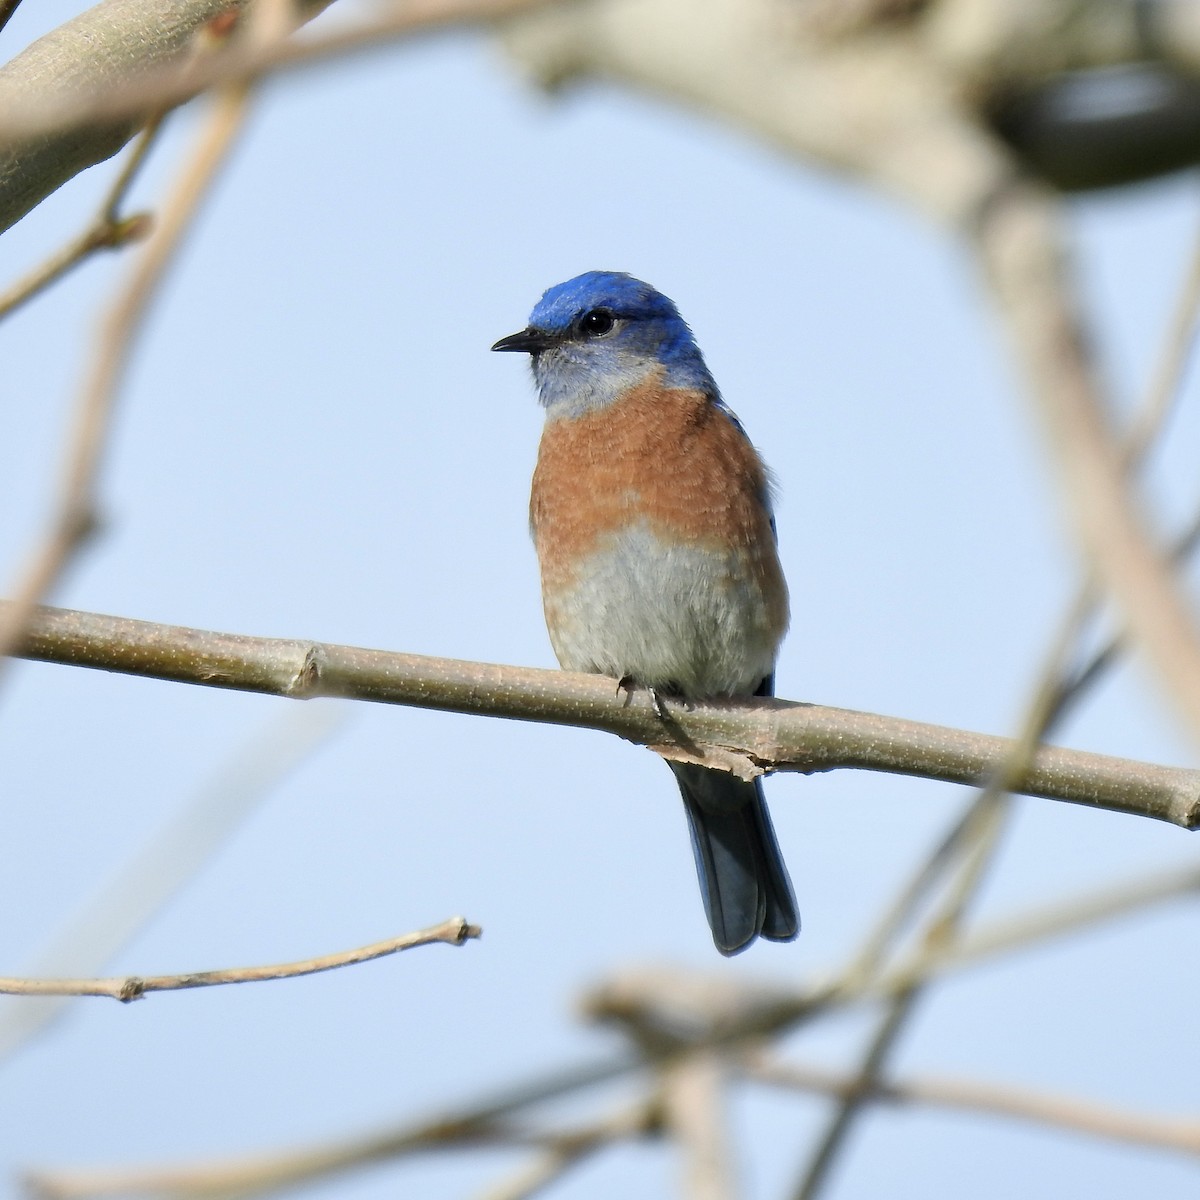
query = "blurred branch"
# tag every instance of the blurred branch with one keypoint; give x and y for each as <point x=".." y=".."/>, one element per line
<point x="455" y="931"/>
<point x="695" y="1010"/>
<point x="742" y="736"/>
<point x="76" y="516"/>
<point x="973" y="840"/>
<point x="1166" y="380"/>
<point x="249" y="1177"/>
<point x="975" y="836"/>
<point x="102" y="48"/>
<point x="668" y="1010"/>
<point x="1063" y="917"/>
<point x="74" y="97"/>
<point x="107" y="231"/>
<point x="568" y="1149"/>
<point x="483" y="1123"/>
<point x="1020" y="241"/>
<point x="1060" y="1112"/>
<point x="694" y="1114"/>
<point x="878" y="943"/>
<point x="985" y="821"/>
<point x="166" y="863"/>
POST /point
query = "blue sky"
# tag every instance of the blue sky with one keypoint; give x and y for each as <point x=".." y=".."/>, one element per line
<point x="315" y="441"/>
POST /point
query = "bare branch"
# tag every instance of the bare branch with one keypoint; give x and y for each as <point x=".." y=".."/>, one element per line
<point x="878" y="943"/>
<point x="1017" y="933"/>
<point x="568" y="1149"/>
<point x="76" y="96"/>
<point x="104" y="47"/>
<point x="1061" y="1112"/>
<point x="166" y="863"/>
<point x="694" y="1113"/>
<point x="1020" y="241"/>
<point x="701" y="1009"/>
<point x="666" y="1009"/>
<point x="1055" y="920"/>
<point x="75" y="517"/>
<point x="976" y="836"/>
<point x="101" y="235"/>
<point x="533" y="1177"/>
<point x="108" y="230"/>
<point x="455" y="931"/>
<point x="986" y="819"/>
<point x="743" y="736"/>
<point x="1057" y="688"/>
<point x="476" y="1124"/>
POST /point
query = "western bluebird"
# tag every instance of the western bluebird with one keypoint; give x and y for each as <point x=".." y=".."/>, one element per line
<point x="651" y="514"/>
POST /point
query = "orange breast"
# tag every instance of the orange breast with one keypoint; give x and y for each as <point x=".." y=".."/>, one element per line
<point x="668" y="457"/>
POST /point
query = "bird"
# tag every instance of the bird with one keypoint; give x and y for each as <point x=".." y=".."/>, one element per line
<point x="651" y="514"/>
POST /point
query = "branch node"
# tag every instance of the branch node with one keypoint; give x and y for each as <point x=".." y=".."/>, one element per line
<point x="80" y="524"/>
<point x="132" y="988"/>
<point x="465" y="931"/>
<point x="1191" y="816"/>
<point x="133" y="228"/>
<point x="307" y="681"/>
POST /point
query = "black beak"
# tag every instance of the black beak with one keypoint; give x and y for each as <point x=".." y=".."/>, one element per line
<point x="528" y="341"/>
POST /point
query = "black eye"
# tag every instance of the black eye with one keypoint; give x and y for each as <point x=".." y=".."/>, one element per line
<point x="597" y="323"/>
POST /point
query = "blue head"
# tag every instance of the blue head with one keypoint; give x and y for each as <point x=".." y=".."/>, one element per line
<point x="595" y="336"/>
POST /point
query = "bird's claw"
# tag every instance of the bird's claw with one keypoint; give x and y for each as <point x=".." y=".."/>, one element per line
<point x="629" y="685"/>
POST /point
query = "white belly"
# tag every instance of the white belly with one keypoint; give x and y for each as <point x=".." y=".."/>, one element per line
<point x="682" y="618"/>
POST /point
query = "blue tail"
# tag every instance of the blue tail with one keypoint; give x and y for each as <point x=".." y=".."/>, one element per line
<point x="743" y="881"/>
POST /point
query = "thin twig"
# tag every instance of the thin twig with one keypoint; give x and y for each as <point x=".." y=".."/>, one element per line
<point x="166" y="863"/>
<point x="1182" y="549"/>
<point x="98" y="236"/>
<point x="669" y="1011"/>
<point x="107" y="231"/>
<point x="455" y="931"/>
<point x="76" y="516"/>
<point x="1052" y="698"/>
<point x="745" y="736"/>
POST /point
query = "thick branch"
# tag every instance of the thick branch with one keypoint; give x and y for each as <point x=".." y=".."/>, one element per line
<point x="110" y="43"/>
<point x="746" y="737"/>
<point x="78" y="94"/>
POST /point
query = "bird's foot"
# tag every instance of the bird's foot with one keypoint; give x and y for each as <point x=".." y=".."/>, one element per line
<point x="629" y="685"/>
